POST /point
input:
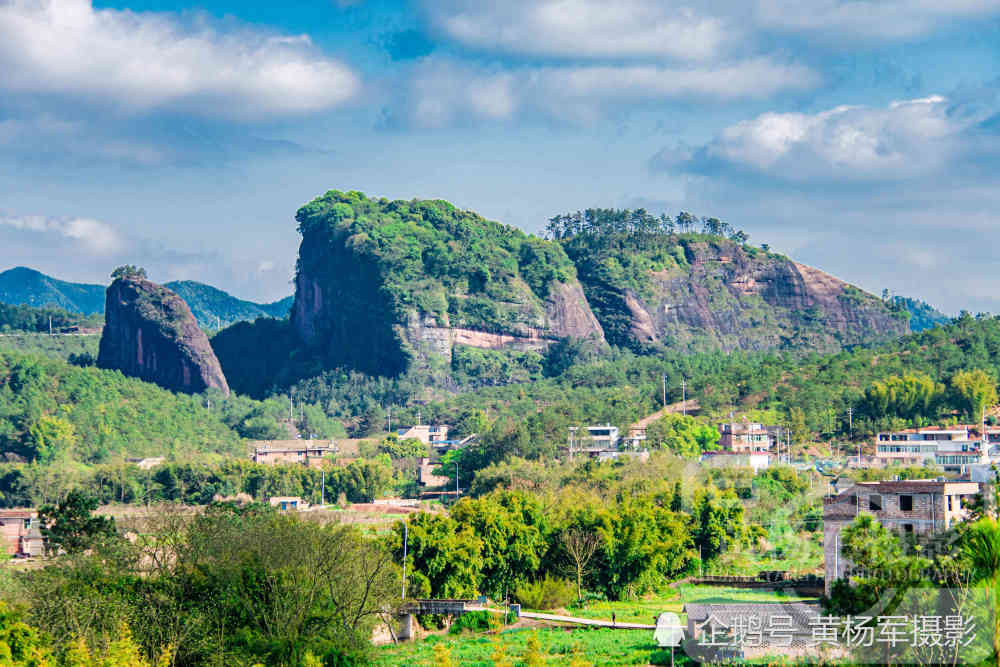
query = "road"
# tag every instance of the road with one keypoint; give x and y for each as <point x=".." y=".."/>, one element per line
<point x="597" y="623"/>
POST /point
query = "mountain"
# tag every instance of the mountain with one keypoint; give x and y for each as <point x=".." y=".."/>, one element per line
<point x="150" y="333"/>
<point x="212" y="308"/>
<point x="383" y="285"/>
<point x="215" y="309"/>
<point x="22" y="286"/>
<point x="923" y="316"/>
<point x="651" y="285"/>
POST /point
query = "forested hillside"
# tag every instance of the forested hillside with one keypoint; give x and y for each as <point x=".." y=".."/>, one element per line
<point x="46" y="319"/>
<point x="215" y="309"/>
<point x="696" y="284"/>
<point x="383" y="284"/>
<point x="212" y="307"/>
<point x="24" y="286"/>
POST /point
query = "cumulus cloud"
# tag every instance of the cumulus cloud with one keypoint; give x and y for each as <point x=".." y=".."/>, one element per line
<point x="905" y="140"/>
<point x="441" y="91"/>
<point x="86" y="234"/>
<point x="682" y="30"/>
<point x="153" y="61"/>
<point x="581" y="28"/>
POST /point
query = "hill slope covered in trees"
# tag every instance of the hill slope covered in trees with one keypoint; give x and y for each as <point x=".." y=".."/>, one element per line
<point x="24" y="286"/>
<point x="693" y="284"/>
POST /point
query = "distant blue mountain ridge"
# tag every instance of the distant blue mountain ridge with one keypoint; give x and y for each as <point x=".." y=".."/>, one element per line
<point x="212" y="307"/>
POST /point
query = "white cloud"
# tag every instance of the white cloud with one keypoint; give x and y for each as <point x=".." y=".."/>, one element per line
<point x="92" y="236"/>
<point x="688" y="30"/>
<point x="847" y="21"/>
<point x="581" y="28"/>
<point x="442" y="91"/>
<point x="142" y="61"/>
<point x="904" y="140"/>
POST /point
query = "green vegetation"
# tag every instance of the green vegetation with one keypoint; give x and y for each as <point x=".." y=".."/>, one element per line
<point x="196" y="483"/>
<point x="77" y="350"/>
<point x="54" y="410"/>
<point x="923" y="316"/>
<point x="44" y="320"/>
<point x="24" y="286"/>
<point x="555" y="647"/>
<point x="219" y="587"/>
<point x="215" y="309"/>
<point x="450" y="264"/>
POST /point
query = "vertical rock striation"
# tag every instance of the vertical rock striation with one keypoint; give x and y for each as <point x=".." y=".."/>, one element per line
<point x="150" y="334"/>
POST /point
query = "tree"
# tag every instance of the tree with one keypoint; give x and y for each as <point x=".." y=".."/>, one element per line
<point x="981" y="548"/>
<point x="129" y="272"/>
<point x="72" y="526"/>
<point x="512" y="527"/>
<point x="681" y="434"/>
<point x="580" y="545"/>
<point x="975" y="390"/>
<point x="443" y="558"/>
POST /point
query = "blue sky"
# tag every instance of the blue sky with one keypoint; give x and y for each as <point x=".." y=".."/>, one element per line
<point x="860" y="137"/>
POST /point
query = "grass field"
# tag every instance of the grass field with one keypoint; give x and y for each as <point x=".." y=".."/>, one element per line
<point x="597" y="646"/>
<point x="589" y="646"/>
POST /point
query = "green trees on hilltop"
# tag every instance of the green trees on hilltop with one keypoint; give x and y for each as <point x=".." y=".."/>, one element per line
<point x="442" y="261"/>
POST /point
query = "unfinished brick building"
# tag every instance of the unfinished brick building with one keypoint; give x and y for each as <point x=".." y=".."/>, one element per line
<point x="921" y="508"/>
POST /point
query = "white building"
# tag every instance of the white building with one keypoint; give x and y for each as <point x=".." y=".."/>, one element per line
<point x="953" y="448"/>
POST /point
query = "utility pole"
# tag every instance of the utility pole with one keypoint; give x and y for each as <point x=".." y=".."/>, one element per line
<point x="456" y="478"/>
<point x="50" y="325"/>
<point x="684" y="404"/>
<point x="389" y="415"/>
<point x="664" y="377"/>
<point x="322" y="488"/>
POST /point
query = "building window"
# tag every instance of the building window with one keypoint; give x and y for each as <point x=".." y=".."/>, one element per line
<point x="906" y="504"/>
<point x="908" y="528"/>
<point x="875" y="503"/>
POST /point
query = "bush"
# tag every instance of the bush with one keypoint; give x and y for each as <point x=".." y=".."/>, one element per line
<point x="546" y="593"/>
<point x="476" y="621"/>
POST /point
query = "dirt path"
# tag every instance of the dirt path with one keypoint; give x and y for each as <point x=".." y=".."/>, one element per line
<point x="692" y="406"/>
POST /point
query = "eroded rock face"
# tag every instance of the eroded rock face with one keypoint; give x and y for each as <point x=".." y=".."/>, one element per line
<point x="150" y="334"/>
<point x="726" y="297"/>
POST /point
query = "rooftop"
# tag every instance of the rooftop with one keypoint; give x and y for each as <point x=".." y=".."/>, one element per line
<point x="801" y="613"/>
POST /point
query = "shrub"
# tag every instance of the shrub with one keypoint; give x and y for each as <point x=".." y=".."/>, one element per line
<point x="546" y="593"/>
<point x="476" y="621"/>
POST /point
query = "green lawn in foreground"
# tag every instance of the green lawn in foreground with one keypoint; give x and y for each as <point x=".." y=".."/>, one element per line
<point x="595" y="646"/>
<point x="598" y="646"/>
<point x="646" y="609"/>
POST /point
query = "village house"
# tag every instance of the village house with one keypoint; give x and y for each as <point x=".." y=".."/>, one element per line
<point x="310" y="453"/>
<point x="21" y="532"/>
<point x="286" y="503"/>
<point x="746" y="437"/>
<point x="433" y="435"/>
<point x="756" y="460"/>
<point x="953" y="448"/>
<point x="916" y="508"/>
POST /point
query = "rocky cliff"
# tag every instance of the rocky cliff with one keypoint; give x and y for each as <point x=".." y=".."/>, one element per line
<point x="151" y="334"/>
<point x="696" y="291"/>
<point x="382" y="285"/>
